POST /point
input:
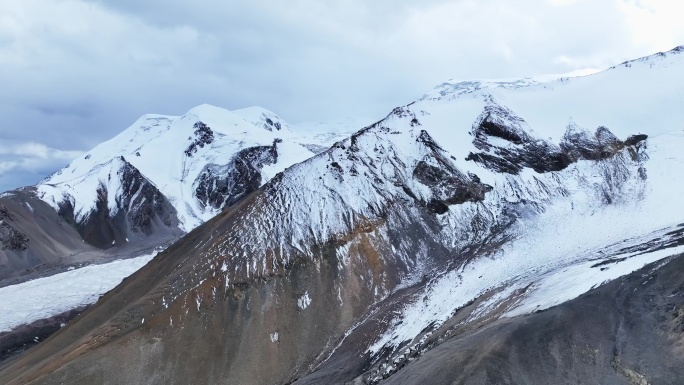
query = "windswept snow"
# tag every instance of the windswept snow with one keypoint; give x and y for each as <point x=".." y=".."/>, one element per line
<point x="562" y="285"/>
<point x="46" y="297"/>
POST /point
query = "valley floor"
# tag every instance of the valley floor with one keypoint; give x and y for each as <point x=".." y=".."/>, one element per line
<point x="45" y="297"/>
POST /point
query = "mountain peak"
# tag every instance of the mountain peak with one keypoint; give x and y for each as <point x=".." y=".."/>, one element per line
<point x="263" y="118"/>
<point x="205" y="108"/>
<point x="209" y="113"/>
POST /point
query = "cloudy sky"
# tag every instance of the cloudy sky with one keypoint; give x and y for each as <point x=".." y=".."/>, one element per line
<point x="76" y="72"/>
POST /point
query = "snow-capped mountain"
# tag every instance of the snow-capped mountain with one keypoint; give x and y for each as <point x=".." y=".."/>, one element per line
<point x="201" y="161"/>
<point x="160" y="178"/>
<point x="471" y="208"/>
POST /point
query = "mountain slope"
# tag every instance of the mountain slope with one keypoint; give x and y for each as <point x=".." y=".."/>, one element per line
<point x="635" y="340"/>
<point x="477" y="202"/>
<point x="31" y="233"/>
<point x="126" y="204"/>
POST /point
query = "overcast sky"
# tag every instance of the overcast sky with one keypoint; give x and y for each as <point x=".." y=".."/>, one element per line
<point x="74" y="73"/>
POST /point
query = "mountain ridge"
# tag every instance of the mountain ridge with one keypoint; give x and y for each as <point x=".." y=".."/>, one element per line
<point x="349" y="265"/>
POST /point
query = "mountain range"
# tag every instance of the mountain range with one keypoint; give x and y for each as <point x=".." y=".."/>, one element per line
<point x="499" y="232"/>
<point x="157" y="180"/>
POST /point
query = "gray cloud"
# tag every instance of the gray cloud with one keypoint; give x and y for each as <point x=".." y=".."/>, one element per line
<point x="75" y="73"/>
<point x="21" y="160"/>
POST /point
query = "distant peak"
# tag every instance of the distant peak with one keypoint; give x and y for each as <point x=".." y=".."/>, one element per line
<point x="659" y="56"/>
<point x="253" y="109"/>
<point x="454" y="88"/>
<point x="204" y="109"/>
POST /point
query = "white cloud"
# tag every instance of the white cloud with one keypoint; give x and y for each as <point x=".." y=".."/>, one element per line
<point x="654" y="25"/>
<point x="23" y="163"/>
<point x="7" y="166"/>
<point x="562" y="3"/>
<point x="36" y="150"/>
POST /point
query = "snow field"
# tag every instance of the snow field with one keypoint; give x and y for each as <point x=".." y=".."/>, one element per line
<point x="49" y="296"/>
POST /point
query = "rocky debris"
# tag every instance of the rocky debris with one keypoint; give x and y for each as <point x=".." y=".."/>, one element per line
<point x="12" y="239"/>
<point x="221" y="186"/>
<point x="203" y="135"/>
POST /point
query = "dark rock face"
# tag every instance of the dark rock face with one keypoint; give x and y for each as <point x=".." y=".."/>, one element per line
<point x="633" y="140"/>
<point x="203" y="136"/>
<point x="526" y="151"/>
<point x="580" y="144"/>
<point x="141" y="210"/>
<point x="222" y="186"/>
<point x="270" y="125"/>
<point x="449" y="186"/>
<point x="33" y="236"/>
<point x="10" y="238"/>
<point x="146" y="202"/>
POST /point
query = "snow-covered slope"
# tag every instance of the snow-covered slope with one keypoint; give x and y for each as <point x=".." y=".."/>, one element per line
<point x="511" y="195"/>
<point x="208" y="151"/>
<point x="49" y="296"/>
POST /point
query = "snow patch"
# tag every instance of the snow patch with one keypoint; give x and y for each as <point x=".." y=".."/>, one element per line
<point x="304" y="301"/>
